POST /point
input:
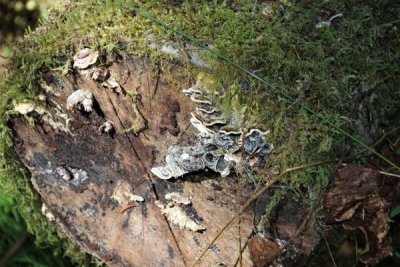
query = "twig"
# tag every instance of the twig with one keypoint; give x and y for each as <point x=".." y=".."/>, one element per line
<point x="389" y="174"/>
<point x="255" y="196"/>
<point x="329" y="250"/>
<point x="126" y="208"/>
<point x="241" y="252"/>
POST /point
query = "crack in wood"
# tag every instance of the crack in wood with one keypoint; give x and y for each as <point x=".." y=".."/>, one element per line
<point x="148" y="178"/>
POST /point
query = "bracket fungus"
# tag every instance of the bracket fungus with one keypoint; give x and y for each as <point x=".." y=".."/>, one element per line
<point x="84" y="58"/>
<point x="220" y="145"/>
<point x="81" y="96"/>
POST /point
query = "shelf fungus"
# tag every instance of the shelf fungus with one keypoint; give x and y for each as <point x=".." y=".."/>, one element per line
<point x="220" y="145"/>
<point x="84" y="58"/>
<point x="81" y="96"/>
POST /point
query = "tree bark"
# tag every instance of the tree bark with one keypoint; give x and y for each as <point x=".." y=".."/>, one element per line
<point x="119" y="231"/>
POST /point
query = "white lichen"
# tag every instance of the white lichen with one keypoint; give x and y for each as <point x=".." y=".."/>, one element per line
<point x="123" y="197"/>
<point x="63" y="173"/>
<point x="81" y="96"/>
<point x="171" y="49"/>
<point x="50" y="216"/>
<point x="176" y="215"/>
<point x="178" y="198"/>
<point x="27" y="107"/>
<point x="48" y="89"/>
<point x="112" y="84"/>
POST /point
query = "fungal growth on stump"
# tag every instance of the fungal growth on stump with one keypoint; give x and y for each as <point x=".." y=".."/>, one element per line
<point x="220" y="146"/>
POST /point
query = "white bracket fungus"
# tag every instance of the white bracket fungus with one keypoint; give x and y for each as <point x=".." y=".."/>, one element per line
<point x="81" y="96"/>
<point x="84" y="58"/>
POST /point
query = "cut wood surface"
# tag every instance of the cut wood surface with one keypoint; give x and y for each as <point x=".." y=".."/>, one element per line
<point x="95" y="208"/>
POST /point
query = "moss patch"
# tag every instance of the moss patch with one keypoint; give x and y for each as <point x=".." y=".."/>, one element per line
<point x="355" y="58"/>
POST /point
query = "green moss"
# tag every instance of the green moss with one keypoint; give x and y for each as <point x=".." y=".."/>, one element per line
<point x="323" y="68"/>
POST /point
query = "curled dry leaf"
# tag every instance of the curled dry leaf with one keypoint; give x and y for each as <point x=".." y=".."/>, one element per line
<point x="262" y="251"/>
<point x="355" y="202"/>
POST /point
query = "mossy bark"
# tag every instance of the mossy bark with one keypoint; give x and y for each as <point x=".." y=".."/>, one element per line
<point x="323" y="68"/>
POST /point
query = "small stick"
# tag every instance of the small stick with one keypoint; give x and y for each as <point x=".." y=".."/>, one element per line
<point x="126" y="208"/>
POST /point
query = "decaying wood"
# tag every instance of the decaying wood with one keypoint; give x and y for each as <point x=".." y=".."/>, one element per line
<point x="361" y="198"/>
<point x="114" y="166"/>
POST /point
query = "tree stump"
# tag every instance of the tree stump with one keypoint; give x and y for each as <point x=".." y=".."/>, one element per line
<point x="94" y="205"/>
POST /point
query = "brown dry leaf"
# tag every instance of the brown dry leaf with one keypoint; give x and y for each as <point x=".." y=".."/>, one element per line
<point x="355" y="202"/>
<point x="262" y="251"/>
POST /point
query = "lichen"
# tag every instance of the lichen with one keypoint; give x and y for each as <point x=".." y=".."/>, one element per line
<point x="177" y="216"/>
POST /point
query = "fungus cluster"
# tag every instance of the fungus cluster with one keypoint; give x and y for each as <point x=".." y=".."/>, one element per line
<point x="220" y="146"/>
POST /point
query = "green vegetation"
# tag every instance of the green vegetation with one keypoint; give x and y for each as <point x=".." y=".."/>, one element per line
<point x="14" y="238"/>
<point x="332" y="69"/>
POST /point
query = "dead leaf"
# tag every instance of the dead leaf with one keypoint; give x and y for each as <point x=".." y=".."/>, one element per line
<point x="355" y="201"/>
<point x="262" y="251"/>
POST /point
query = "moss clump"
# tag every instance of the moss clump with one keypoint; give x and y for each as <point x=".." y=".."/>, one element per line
<point x="323" y="68"/>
